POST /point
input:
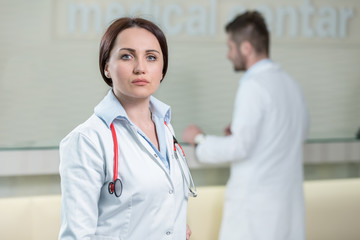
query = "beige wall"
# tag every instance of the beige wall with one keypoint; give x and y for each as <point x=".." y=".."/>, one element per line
<point x="49" y="80"/>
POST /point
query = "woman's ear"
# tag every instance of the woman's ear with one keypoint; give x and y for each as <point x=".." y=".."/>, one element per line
<point x="106" y="71"/>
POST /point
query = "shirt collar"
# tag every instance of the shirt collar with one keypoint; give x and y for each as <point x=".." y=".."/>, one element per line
<point x="160" y="109"/>
<point x="256" y="67"/>
<point x="110" y="108"/>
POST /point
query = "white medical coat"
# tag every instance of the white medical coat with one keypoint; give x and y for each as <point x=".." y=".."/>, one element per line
<point x="264" y="196"/>
<point x="153" y="203"/>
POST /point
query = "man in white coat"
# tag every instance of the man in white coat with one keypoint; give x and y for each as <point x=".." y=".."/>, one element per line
<point x="264" y="196"/>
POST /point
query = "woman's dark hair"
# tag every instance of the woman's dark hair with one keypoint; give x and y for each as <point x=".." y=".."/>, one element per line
<point x="250" y="26"/>
<point x="109" y="37"/>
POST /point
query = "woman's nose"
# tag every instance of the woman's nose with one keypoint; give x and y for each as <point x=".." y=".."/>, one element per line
<point x="140" y="67"/>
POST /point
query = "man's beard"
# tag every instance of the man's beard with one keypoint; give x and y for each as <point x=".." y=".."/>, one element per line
<point x="241" y="63"/>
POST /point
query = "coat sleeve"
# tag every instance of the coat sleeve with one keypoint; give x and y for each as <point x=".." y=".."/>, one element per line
<point x="249" y="111"/>
<point x="82" y="176"/>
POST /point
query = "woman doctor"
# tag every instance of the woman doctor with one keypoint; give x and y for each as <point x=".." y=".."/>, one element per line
<point x="145" y="197"/>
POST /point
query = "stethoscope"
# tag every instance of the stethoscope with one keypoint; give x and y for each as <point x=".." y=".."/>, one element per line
<point x="116" y="186"/>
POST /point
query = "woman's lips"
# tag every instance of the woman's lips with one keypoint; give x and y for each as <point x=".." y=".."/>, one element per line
<point x="140" y="82"/>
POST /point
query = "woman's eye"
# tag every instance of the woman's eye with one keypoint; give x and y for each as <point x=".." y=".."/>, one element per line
<point x="125" y="57"/>
<point x="151" y="58"/>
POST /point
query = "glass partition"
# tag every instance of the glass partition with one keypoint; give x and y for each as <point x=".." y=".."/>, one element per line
<point x="50" y="82"/>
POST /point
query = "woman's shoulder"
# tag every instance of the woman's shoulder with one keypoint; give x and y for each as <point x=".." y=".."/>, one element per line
<point x="93" y="129"/>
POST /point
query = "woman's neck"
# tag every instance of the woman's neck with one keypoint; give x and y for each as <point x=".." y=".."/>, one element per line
<point x="137" y="110"/>
<point x="139" y="113"/>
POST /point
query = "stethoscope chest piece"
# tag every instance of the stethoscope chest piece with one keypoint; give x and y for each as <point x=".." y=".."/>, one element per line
<point x="116" y="187"/>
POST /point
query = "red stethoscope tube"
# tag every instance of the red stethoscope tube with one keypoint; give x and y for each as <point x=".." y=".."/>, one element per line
<point x="175" y="142"/>
<point x="115" y="186"/>
<point x="116" y="151"/>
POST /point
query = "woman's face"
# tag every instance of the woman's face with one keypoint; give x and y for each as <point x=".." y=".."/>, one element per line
<point x="135" y="64"/>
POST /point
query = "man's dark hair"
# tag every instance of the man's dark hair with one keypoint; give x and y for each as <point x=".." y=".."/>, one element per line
<point x="250" y="26"/>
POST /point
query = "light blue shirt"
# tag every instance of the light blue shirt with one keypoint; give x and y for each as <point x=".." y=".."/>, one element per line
<point x="110" y="109"/>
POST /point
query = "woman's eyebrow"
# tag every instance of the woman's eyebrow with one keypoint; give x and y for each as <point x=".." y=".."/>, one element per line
<point x="127" y="49"/>
<point x="152" y="50"/>
<point x="133" y="50"/>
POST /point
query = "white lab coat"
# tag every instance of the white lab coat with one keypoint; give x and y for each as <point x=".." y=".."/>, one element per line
<point x="264" y="196"/>
<point x="153" y="203"/>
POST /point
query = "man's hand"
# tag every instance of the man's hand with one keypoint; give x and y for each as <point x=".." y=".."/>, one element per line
<point x="190" y="132"/>
<point x="227" y="130"/>
<point x="188" y="232"/>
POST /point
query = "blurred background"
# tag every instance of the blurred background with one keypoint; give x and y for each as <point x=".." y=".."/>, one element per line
<point x="50" y="82"/>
